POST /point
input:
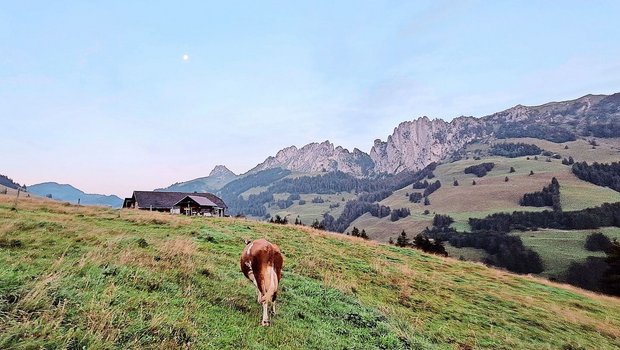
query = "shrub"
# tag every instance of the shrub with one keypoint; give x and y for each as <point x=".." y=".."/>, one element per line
<point x="442" y="220"/>
<point x="513" y="150"/>
<point x="318" y="200"/>
<point x="597" y="242"/>
<point x="479" y="170"/>
<point x="431" y="188"/>
<point x="549" y="196"/>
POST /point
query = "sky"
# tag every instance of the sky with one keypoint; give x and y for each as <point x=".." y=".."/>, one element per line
<point x="100" y="94"/>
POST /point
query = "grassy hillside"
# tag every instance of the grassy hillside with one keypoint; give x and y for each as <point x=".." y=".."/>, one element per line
<point x="490" y="194"/>
<point x="98" y="278"/>
<point x="310" y="211"/>
<point x="558" y="248"/>
<point x="608" y="149"/>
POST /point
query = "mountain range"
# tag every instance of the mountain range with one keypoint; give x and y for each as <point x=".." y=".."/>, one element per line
<point x="417" y="143"/>
<point x="68" y="193"/>
<point x="412" y="145"/>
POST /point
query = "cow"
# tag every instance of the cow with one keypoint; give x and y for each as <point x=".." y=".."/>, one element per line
<point x="261" y="262"/>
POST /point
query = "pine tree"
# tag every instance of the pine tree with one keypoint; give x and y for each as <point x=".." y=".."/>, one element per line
<point x="363" y="234"/>
<point x="506" y="179"/>
<point x="456" y="182"/>
<point x="473" y="182"/>
<point x="531" y="172"/>
<point x="355" y="232"/>
<point x="611" y="277"/>
<point x="402" y="240"/>
<point x="512" y="169"/>
<point x="427" y="201"/>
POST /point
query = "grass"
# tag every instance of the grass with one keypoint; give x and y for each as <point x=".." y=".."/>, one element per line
<point x="581" y="150"/>
<point x="559" y="249"/>
<point x="311" y="211"/>
<point x="492" y="194"/>
<point x="108" y="279"/>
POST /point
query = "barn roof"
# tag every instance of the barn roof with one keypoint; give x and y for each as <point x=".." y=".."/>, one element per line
<point x="166" y="200"/>
<point x="202" y="201"/>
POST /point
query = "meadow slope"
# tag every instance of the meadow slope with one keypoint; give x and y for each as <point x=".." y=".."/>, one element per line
<point x="75" y="277"/>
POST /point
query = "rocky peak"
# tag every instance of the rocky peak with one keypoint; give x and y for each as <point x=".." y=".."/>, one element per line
<point x="417" y="143"/>
<point x="221" y="171"/>
<point x="319" y="157"/>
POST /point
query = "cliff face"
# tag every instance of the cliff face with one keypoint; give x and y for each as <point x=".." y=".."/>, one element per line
<point x="415" y="144"/>
<point x="319" y="157"/>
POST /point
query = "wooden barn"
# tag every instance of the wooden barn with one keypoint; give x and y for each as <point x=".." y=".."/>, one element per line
<point x="206" y="204"/>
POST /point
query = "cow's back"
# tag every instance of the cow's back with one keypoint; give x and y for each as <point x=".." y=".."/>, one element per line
<point x="258" y="257"/>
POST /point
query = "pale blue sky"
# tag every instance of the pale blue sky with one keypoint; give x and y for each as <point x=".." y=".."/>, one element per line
<point x="98" y="95"/>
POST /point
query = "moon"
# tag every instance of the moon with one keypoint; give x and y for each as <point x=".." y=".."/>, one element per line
<point x="185" y="57"/>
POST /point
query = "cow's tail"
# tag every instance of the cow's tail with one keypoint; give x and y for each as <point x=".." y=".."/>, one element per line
<point x="272" y="285"/>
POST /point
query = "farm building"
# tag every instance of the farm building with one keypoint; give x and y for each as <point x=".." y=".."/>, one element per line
<point x="206" y="204"/>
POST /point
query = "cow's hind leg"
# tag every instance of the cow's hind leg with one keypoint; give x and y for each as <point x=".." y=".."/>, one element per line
<point x="259" y="295"/>
<point x="265" y="321"/>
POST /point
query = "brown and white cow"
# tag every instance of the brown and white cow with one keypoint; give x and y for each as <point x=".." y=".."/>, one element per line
<point x="261" y="263"/>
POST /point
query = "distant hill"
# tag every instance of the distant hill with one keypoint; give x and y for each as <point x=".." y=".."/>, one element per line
<point x="68" y="193"/>
<point x="219" y="177"/>
<point x="8" y="182"/>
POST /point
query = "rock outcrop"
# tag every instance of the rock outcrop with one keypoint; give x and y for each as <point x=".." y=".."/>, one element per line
<point x="415" y="144"/>
<point x="221" y="172"/>
<point x="319" y="157"/>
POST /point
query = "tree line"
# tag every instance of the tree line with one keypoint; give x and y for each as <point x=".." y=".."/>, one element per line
<point x="553" y="133"/>
<point x="254" y="204"/>
<point x="397" y="214"/>
<point x="596" y="273"/>
<point x="548" y="197"/>
<point x="513" y="150"/>
<point x="479" y="170"/>
<point x="353" y="209"/>
<point x="421" y="242"/>
<point x="504" y="250"/>
<point x="608" y="214"/>
<point x="601" y="174"/>
<point x="8" y="182"/>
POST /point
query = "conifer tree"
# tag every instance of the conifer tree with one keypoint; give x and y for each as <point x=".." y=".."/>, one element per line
<point x="402" y="240"/>
<point x="363" y="234"/>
